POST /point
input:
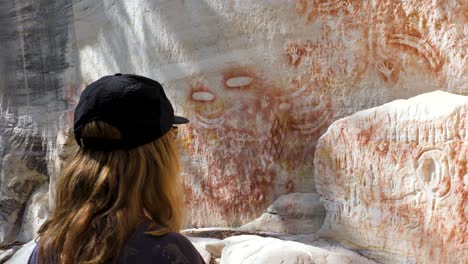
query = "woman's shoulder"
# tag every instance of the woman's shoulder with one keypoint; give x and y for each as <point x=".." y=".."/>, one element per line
<point x="172" y="247"/>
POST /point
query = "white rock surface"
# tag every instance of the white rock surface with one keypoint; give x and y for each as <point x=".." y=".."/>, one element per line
<point x="394" y="180"/>
<point x="259" y="250"/>
<point x="22" y="255"/>
<point x="37" y="211"/>
<point x="6" y="255"/>
<point x="298" y="205"/>
<point x="283" y="224"/>
<point x="295" y="213"/>
<point x="315" y="241"/>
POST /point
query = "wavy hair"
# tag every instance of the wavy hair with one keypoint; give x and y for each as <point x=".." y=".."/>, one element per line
<point x="102" y="196"/>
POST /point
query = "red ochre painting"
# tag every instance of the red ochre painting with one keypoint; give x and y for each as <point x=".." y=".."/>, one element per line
<point x="385" y="36"/>
<point x="254" y="128"/>
<point x="251" y="139"/>
<point x="248" y="142"/>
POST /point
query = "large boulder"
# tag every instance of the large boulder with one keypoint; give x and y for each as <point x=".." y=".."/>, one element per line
<point x="394" y="180"/>
<point x="295" y="213"/>
<point x="38" y="68"/>
<point x="249" y="249"/>
<point x="315" y="241"/>
<point x="287" y="248"/>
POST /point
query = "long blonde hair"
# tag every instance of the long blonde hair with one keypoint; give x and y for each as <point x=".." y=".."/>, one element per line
<point x="102" y="196"/>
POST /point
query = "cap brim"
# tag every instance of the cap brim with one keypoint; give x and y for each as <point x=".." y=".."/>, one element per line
<point x="178" y="120"/>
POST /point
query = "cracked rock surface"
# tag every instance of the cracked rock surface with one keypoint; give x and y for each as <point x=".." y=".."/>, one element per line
<point x="294" y="213"/>
<point x="394" y="180"/>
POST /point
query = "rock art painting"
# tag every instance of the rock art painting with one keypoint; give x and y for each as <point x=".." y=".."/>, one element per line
<point x="247" y="139"/>
<point x="253" y="132"/>
<point x="261" y="81"/>
<point x="394" y="180"/>
<point x="398" y="41"/>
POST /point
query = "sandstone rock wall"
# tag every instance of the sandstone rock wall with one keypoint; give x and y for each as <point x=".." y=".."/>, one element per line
<point x="36" y="64"/>
<point x="260" y="80"/>
<point x="394" y="180"/>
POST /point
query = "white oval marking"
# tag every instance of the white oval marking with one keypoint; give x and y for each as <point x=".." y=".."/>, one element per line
<point x="239" y="81"/>
<point x="203" y="96"/>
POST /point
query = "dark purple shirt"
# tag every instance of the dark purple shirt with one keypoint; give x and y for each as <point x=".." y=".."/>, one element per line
<point x="172" y="248"/>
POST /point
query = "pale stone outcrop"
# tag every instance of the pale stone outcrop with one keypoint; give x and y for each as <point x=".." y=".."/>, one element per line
<point x="394" y="180"/>
<point x="37" y="211"/>
<point x="18" y="182"/>
<point x="22" y="255"/>
<point x="259" y="80"/>
<point x="297" y="248"/>
<point x="6" y="254"/>
<point x="315" y="241"/>
<point x="249" y="249"/>
<point x="295" y="213"/>
<point x="36" y="66"/>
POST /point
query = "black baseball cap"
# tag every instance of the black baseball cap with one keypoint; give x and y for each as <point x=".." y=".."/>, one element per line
<point x="137" y="106"/>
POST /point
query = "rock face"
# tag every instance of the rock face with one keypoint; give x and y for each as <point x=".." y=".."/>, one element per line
<point x="6" y="255"/>
<point x="258" y="250"/>
<point x="36" y="64"/>
<point x="260" y="80"/>
<point x="35" y="214"/>
<point x="394" y="180"/>
<point x="18" y="183"/>
<point x="293" y="249"/>
<point x="295" y="213"/>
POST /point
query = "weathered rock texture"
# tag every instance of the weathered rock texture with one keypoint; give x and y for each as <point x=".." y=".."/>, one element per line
<point x="6" y="254"/>
<point x="36" y="64"/>
<point x="294" y="249"/>
<point x="260" y="80"/>
<point x="35" y="214"/>
<point x="394" y="180"/>
<point x="18" y="184"/>
<point x="259" y="250"/>
<point x="295" y="213"/>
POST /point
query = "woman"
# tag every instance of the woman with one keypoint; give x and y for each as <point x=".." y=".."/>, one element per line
<point x="120" y="200"/>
